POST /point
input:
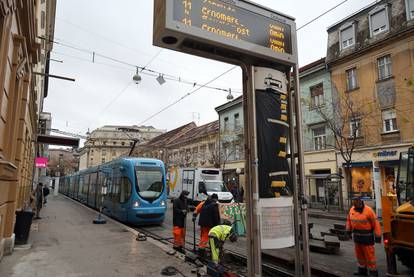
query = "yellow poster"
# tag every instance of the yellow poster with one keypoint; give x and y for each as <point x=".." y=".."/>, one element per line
<point x="361" y="180"/>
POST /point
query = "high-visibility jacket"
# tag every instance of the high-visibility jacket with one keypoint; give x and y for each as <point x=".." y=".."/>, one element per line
<point x="220" y="232"/>
<point x="364" y="225"/>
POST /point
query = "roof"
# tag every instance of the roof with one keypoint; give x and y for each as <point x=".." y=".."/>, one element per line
<point x="229" y="104"/>
<point x="312" y="64"/>
<point x="166" y="138"/>
<point x="198" y="132"/>
<point x="363" y="10"/>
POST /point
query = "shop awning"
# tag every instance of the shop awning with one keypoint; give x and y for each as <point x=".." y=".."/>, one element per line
<point x="359" y="164"/>
<point x="57" y="140"/>
<point x="389" y="163"/>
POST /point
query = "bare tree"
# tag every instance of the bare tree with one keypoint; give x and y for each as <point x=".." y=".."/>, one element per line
<point x="344" y="118"/>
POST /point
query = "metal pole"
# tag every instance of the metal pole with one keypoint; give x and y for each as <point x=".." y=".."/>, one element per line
<point x="293" y="171"/>
<point x="254" y="267"/>
<point x="301" y="164"/>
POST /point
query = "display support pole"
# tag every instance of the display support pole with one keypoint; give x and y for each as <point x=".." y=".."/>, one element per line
<point x="294" y="179"/>
<point x="254" y="265"/>
<point x="301" y="171"/>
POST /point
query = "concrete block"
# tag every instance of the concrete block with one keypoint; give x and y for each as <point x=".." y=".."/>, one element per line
<point x="9" y="245"/>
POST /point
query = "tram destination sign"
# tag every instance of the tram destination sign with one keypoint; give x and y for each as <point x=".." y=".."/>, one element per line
<point x="240" y="26"/>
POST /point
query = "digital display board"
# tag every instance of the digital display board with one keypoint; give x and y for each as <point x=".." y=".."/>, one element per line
<point x="232" y="22"/>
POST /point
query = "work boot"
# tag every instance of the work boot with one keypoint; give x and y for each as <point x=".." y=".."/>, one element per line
<point x="373" y="273"/>
<point x="362" y="271"/>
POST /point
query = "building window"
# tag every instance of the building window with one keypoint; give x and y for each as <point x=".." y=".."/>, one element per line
<point x="43" y="20"/>
<point x="104" y="143"/>
<point x="123" y="143"/>
<point x="410" y="9"/>
<point x="237" y="152"/>
<point x="114" y="142"/>
<point x="319" y="138"/>
<point x="384" y="67"/>
<point x="103" y="152"/>
<point x="379" y="21"/>
<point x="389" y="119"/>
<point x="347" y="37"/>
<point x="236" y="121"/>
<point x="355" y="128"/>
<point x="316" y="93"/>
<point x="351" y="79"/>
<point x="103" y="160"/>
<point x="226" y="124"/>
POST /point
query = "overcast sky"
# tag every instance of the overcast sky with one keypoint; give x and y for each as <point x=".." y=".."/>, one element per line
<point x="122" y="30"/>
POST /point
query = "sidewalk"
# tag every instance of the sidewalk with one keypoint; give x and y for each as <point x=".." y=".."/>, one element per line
<point x="317" y="213"/>
<point x="66" y="243"/>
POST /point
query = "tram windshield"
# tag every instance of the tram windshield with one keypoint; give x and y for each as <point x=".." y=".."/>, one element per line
<point x="405" y="181"/>
<point x="149" y="182"/>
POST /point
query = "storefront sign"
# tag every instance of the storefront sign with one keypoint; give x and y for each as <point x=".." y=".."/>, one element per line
<point x="41" y="162"/>
<point x="385" y="153"/>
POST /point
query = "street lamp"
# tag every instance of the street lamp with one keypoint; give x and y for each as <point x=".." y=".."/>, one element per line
<point x="230" y="96"/>
<point x="137" y="78"/>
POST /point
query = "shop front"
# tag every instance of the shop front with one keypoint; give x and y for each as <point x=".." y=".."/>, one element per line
<point x="374" y="172"/>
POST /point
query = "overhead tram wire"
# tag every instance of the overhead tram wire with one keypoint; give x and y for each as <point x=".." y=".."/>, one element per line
<point x="174" y="79"/>
<point x="323" y="14"/>
<point x="141" y="68"/>
<point x="186" y="95"/>
<point x="205" y="85"/>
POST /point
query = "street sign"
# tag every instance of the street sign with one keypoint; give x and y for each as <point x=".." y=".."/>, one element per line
<point x="221" y="27"/>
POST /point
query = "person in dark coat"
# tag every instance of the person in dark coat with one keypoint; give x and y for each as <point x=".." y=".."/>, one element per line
<point x="209" y="218"/>
<point x="241" y="196"/>
<point x="180" y="209"/>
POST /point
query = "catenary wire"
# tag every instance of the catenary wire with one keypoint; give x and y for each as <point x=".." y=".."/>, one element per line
<point x="179" y="80"/>
<point x="185" y="96"/>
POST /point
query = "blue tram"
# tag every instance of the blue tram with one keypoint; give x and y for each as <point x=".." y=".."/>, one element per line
<point x="136" y="189"/>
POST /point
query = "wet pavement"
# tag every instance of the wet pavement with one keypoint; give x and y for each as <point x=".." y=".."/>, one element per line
<point x="66" y="243"/>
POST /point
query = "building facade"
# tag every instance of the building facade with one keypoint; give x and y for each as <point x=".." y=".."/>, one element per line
<point x="371" y="58"/>
<point x="319" y="143"/>
<point x="20" y="104"/>
<point x="110" y="142"/>
<point x="62" y="162"/>
<point x="231" y="151"/>
<point x="185" y="146"/>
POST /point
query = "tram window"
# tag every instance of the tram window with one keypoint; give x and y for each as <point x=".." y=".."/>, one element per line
<point x="81" y="184"/>
<point x="125" y="190"/>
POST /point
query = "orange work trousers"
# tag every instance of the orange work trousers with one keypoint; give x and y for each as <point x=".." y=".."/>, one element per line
<point x="365" y="255"/>
<point x="179" y="236"/>
<point x="203" y="237"/>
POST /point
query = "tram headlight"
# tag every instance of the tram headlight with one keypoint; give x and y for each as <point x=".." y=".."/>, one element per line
<point x="136" y="204"/>
<point x="162" y="203"/>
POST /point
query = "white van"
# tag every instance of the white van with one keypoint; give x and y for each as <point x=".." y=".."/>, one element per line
<point x="199" y="182"/>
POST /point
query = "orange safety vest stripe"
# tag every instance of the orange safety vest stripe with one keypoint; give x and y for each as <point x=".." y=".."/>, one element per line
<point x="367" y="220"/>
<point x="199" y="207"/>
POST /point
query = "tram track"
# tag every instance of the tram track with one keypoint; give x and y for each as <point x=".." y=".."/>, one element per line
<point x="271" y="265"/>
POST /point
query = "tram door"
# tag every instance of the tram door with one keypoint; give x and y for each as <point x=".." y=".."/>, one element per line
<point x="119" y="200"/>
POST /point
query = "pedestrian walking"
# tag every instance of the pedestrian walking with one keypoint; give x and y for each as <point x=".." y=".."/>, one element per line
<point x="37" y="199"/>
<point x="362" y="223"/>
<point x="209" y="218"/>
<point x="217" y="236"/>
<point x="180" y="209"/>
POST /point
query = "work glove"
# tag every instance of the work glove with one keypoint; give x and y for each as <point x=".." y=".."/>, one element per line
<point x="377" y="239"/>
<point x="194" y="217"/>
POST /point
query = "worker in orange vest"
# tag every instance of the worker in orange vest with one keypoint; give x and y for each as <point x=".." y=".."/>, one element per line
<point x="366" y="231"/>
<point x="209" y="217"/>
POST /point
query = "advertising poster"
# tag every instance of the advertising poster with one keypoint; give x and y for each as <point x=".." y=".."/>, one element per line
<point x="362" y="180"/>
